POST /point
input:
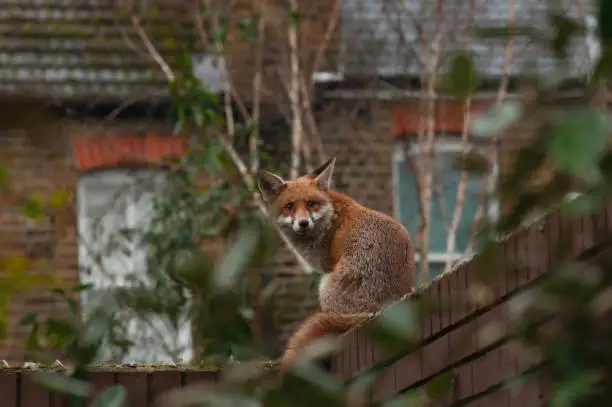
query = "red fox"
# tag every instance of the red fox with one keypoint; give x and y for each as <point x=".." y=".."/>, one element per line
<point x="366" y="257"/>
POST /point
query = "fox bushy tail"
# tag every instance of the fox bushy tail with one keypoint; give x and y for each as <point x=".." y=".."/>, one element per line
<point x="316" y="326"/>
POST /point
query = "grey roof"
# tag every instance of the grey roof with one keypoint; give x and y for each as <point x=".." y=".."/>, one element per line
<point x="72" y="48"/>
<point x="380" y="36"/>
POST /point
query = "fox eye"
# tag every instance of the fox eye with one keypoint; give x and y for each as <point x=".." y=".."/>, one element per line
<point x="289" y="206"/>
<point x="311" y="204"/>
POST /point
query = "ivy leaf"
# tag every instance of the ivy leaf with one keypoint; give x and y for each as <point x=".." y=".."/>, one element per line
<point x="411" y="398"/>
<point x="293" y="18"/>
<point x="59" y="198"/>
<point x="496" y="119"/>
<point x="248" y="30"/>
<point x="28" y="320"/>
<point x="604" y="17"/>
<point x="462" y="78"/>
<point x="112" y="396"/>
<point x="15" y="266"/>
<point x="440" y="385"/>
<point x="81" y="287"/>
<point x="564" y="29"/>
<point x="396" y="327"/>
<point x="584" y="204"/>
<point x="33" y="208"/>
<point x="220" y="35"/>
<point x="5" y="176"/>
<point x="198" y="116"/>
<point x="486" y="32"/>
<point x="566" y="393"/>
<point x="567" y="147"/>
<point x="62" y="383"/>
<point x="237" y="258"/>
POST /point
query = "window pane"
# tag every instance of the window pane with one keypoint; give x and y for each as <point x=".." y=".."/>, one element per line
<point x="408" y="204"/>
<point x="444" y="197"/>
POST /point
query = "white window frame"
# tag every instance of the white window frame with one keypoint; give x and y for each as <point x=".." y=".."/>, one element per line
<point x="443" y="144"/>
<point x="117" y="178"/>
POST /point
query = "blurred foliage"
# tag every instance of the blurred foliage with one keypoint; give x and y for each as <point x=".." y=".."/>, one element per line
<point x="572" y="139"/>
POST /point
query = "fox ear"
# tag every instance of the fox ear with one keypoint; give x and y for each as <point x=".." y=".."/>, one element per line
<point x="270" y="185"/>
<point x="324" y="173"/>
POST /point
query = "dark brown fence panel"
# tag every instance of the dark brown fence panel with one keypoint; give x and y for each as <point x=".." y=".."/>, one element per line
<point x="163" y="381"/>
<point x="138" y="385"/>
<point x="33" y="394"/>
<point x="467" y="336"/>
<point x="144" y="386"/>
<point x="101" y="380"/>
<point x="9" y="383"/>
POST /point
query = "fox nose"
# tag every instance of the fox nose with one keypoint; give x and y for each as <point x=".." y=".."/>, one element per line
<point x="303" y="223"/>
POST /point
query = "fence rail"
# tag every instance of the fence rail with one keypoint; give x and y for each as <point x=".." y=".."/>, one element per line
<point x="451" y="337"/>
<point x="144" y="386"/>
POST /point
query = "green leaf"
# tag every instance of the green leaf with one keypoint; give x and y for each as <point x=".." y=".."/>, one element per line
<point x="564" y="29"/>
<point x="584" y="204"/>
<point x="472" y="162"/>
<point x="462" y="78"/>
<point x="5" y="176"/>
<point x="81" y="287"/>
<point x="16" y="266"/>
<point x="112" y="396"/>
<point x="505" y="32"/>
<point x="220" y="35"/>
<point x="95" y="329"/>
<point x="33" y="208"/>
<point x="198" y="116"/>
<point x="237" y="258"/>
<point x="396" y="328"/>
<point x="59" y="198"/>
<point x="28" y="320"/>
<point x="411" y="398"/>
<point x="569" y="148"/>
<point x="566" y="393"/>
<point x="314" y="385"/>
<point x="293" y="18"/>
<point x="496" y="119"/>
<point x="604" y="16"/>
<point x="440" y="385"/>
<point x="62" y="383"/>
<point x="248" y="30"/>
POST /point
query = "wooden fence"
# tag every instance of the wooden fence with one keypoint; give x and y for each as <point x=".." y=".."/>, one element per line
<point x="479" y="365"/>
<point x="143" y="386"/>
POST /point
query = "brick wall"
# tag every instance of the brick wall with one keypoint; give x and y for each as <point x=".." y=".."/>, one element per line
<point x="37" y="166"/>
<point x="362" y="135"/>
<point x="40" y="170"/>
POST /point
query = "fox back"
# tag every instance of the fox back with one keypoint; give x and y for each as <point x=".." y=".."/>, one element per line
<point x="366" y="257"/>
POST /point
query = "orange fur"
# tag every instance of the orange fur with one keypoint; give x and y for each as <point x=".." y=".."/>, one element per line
<point x="316" y="326"/>
<point x="366" y="256"/>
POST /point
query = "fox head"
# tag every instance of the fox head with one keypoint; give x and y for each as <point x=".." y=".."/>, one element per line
<point x="302" y="206"/>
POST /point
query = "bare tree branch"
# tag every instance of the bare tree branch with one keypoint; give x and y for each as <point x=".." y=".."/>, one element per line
<point x="429" y="153"/>
<point x="225" y="140"/>
<point x="257" y="80"/>
<point x="294" y="94"/>
<point x="163" y="65"/>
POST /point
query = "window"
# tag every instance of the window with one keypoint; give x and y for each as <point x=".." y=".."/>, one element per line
<point x="444" y="194"/>
<point x="109" y="259"/>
